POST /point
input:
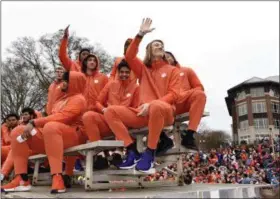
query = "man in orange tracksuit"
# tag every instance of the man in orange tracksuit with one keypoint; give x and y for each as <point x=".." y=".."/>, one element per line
<point x="11" y="121"/>
<point x="123" y="92"/>
<point x="95" y="81"/>
<point x="67" y="63"/>
<point x="192" y="99"/>
<point x="159" y="89"/>
<point x="54" y="92"/>
<point x="114" y="73"/>
<point x="59" y="131"/>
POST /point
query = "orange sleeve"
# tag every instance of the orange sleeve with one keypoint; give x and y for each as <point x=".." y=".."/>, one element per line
<point x="194" y="80"/>
<point x="74" y="108"/>
<point x="173" y="87"/>
<point x="136" y="98"/>
<point x="49" y="107"/>
<point x="5" y="140"/>
<point x="63" y="56"/>
<point x="134" y="63"/>
<point x="103" y="98"/>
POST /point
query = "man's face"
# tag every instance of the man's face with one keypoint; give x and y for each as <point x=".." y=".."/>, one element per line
<point x="12" y="122"/>
<point x="170" y="59"/>
<point x="26" y="117"/>
<point x="91" y="63"/>
<point x="83" y="55"/>
<point x="157" y="49"/>
<point x="124" y="73"/>
<point x="59" y="73"/>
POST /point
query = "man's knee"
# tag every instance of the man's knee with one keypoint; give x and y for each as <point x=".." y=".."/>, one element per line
<point x="109" y="112"/>
<point x="50" y="128"/>
<point x="158" y="105"/>
<point x="90" y="115"/>
<point x="199" y="94"/>
<point x="16" y="132"/>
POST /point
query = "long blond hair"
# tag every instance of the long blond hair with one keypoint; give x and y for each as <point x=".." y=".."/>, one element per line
<point x="148" y="57"/>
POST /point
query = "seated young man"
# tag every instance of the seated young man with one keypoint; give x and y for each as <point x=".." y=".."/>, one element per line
<point x="11" y="121"/>
<point x="123" y="92"/>
<point x="192" y="99"/>
<point x="55" y="133"/>
<point x="159" y="89"/>
<point x="114" y="73"/>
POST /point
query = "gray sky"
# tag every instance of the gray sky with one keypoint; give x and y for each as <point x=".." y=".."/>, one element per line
<point x="225" y="43"/>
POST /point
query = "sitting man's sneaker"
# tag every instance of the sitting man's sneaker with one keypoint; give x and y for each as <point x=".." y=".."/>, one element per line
<point x="100" y="163"/>
<point x="187" y="179"/>
<point x="146" y="162"/>
<point x="188" y="140"/>
<point x="17" y="184"/>
<point x="57" y="184"/>
<point x="131" y="160"/>
<point x="78" y="165"/>
<point x="165" y="143"/>
<point x="67" y="181"/>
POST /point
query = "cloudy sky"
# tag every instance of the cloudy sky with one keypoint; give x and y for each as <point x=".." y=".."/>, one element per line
<point x="225" y="43"/>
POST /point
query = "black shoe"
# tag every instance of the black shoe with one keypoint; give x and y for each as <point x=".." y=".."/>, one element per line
<point x="67" y="181"/>
<point x="187" y="179"/>
<point x="188" y="140"/>
<point x="165" y="143"/>
<point x="100" y="163"/>
<point x="115" y="159"/>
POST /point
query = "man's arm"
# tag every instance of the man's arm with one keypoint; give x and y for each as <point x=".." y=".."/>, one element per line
<point x="103" y="98"/>
<point x="74" y="108"/>
<point x="63" y="55"/>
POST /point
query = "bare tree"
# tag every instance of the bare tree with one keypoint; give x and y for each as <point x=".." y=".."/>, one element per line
<point x="20" y="88"/>
<point x="28" y="70"/>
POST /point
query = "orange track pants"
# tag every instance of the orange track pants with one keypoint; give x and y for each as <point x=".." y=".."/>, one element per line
<point x="120" y="117"/>
<point x="96" y="126"/>
<point x="194" y="103"/>
<point x="56" y="137"/>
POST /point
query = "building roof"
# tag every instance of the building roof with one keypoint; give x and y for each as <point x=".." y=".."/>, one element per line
<point x="273" y="78"/>
<point x="253" y="80"/>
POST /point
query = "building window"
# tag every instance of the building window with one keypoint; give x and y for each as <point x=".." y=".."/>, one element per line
<point x="276" y="123"/>
<point x="257" y="92"/>
<point x="244" y="125"/>
<point x="275" y="107"/>
<point x="261" y="123"/>
<point x="242" y="109"/>
<point x="259" y="107"/>
<point x="241" y="95"/>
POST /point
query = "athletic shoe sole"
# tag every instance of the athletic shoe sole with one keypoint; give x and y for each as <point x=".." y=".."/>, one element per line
<point x="18" y="189"/>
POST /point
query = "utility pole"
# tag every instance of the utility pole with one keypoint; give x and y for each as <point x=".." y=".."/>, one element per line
<point x="272" y="142"/>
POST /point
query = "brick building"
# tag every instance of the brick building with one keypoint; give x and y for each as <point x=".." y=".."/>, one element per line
<point x="255" y="108"/>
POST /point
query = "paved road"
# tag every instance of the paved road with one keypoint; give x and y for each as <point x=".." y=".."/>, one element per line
<point x="160" y="192"/>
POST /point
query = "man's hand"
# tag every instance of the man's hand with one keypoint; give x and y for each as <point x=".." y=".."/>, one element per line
<point x="27" y="131"/>
<point x="66" y="32"/>
<point x="144" y="110"/>
<point x="146" y="26"/>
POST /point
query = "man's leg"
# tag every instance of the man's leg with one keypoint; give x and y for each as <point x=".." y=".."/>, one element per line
<point x="118" y="119"/>
<point x="7" y="166"/>
<point x="57" y="137"/>
<point x="194" y="104"/>
<point x="161" y="114"/>
<point x="20" y="153"/>
<point x="95" y="126"/>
